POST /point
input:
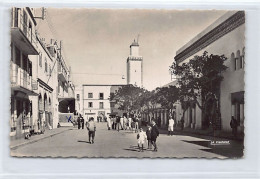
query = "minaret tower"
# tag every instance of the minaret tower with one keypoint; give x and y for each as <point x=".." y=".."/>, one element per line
<point x="135" y="66"/>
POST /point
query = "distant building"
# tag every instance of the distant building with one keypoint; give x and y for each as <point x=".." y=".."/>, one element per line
<point x="135" y="66"/>
<point x="79" y="99"/>
<point x="96" y="100"/>
<point x="225" y="36"/>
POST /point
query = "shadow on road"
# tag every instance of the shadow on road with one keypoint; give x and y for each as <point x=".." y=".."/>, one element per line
<point x="84" y="141"/>
<point x="135" y="149"/>
<point x="230" y="151"/>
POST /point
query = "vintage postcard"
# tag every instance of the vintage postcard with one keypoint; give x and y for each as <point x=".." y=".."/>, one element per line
<point x="127" y="83"/>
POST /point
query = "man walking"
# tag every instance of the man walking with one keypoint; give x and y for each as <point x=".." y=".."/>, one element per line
<point x="170" y="126"/>
<point x="118" y="123"/>
<point x="79" y="121"/>
<point x="91" y="126"/>
<point x="154" y="135"/>
<point x="82" y="122"/>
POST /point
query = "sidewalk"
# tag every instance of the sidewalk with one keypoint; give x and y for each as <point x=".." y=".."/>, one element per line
<point x="14" y="144"/>
<point x="205" y="133"/>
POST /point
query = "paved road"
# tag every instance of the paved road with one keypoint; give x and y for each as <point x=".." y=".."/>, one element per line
<point x="74" y="143"/>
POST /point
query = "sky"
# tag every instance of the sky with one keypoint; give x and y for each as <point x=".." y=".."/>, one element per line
<point x="96" y="41"/>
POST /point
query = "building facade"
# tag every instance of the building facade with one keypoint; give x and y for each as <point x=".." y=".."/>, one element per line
<point x="134" y="66"/>
<point x="96" y="101"/>
<point x="23" y="44"/>
<point x="38" y="82"/>
<point x="226" y="36"/>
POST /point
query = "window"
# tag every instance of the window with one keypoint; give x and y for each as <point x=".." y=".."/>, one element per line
<point x="78" y="97"/>
<point x="90" y="104"/>
<point x="101" y="95"/>
<point x="90" y="95"/>
<point x="101" y="105"/>
<point x="17" y="57"/>
<point x="237" y="60"/>
<point x="40" y="59"/>
<point x="242" y="63"/>
<point x="237" y="101"/>
<point x="46" y="66"/>
<point x="50" y="69"/>
<point x="25" y="60"/>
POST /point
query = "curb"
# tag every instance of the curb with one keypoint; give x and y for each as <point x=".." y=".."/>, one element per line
<point x="36" y="140"/>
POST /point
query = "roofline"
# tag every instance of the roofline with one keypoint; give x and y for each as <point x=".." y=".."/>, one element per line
<point x="225" y="24"/>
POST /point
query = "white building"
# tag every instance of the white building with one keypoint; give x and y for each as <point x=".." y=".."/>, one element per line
<point x="23" y="44"/>
<point x="226" y="36"/>
<point x="96" y="100"/>
<point x="134" y="66"/>
<point x="79" y="99"/>
<point x="43" y="72"/>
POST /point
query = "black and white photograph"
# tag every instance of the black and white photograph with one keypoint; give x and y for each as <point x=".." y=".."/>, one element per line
<point x="127" y="83"/>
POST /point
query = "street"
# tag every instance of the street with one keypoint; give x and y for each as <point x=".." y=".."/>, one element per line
<point x="110" y="143"/>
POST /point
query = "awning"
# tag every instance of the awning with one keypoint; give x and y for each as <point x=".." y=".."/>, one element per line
<point x="24" y="91"/>
<point x="65" y="98"/>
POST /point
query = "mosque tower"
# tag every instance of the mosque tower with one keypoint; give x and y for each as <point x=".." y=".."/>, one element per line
<point x="135" y="66"/>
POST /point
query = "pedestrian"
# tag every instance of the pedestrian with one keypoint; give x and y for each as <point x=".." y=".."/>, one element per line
<point x="136" y="124"/>
<point x="108" y="122"/>
<point x="122" y="122"/>
<point x="118" y="123"/>
<point x="82" y="122"/>
<point x="130" y="123"/>
<point x="141" y="137"/>
<point x="133" y="124"/>
<point x="113" y="122"/>
<point x="91" y="126"/>
<point x="170" y="126"/>
<point x="154" y="135"/>
<point x="79" y="121"/>
<point x="148" y="134"/>
<point x="233" y="125"/>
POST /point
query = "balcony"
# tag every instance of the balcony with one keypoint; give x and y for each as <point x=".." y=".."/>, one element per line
<point x="22" y="34"/>
<point x="21" y="80"/>
<point x="62" y="73"/>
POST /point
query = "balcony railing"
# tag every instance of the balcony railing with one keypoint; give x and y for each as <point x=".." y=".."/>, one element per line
<point x="62" y="73"/>
<point x="20" y="77"/>
<point x="19" y="22"/>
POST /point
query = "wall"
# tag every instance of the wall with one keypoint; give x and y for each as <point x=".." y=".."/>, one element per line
<point x="233" y="80"/>
<point x="135" y="72"/>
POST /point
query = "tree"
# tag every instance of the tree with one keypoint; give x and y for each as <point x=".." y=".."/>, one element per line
<point x="128" y="98"/>
<point x="199" y="80"/>
<point x="167" y="96"/>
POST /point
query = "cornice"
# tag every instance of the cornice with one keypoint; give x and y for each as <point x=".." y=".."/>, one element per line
<point x="227" y="26"/>
<point x="134" y="59"/>
<point x="44" y="84"/>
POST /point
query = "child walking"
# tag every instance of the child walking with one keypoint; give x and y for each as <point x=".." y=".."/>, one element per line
<point x="148" y="134"/>
<point x="141" y="137"/>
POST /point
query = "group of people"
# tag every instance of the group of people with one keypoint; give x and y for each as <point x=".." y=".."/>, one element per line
<point x="123" y="123"/>
<point x="150" y="135"/>
<point x="80" y="122"/>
